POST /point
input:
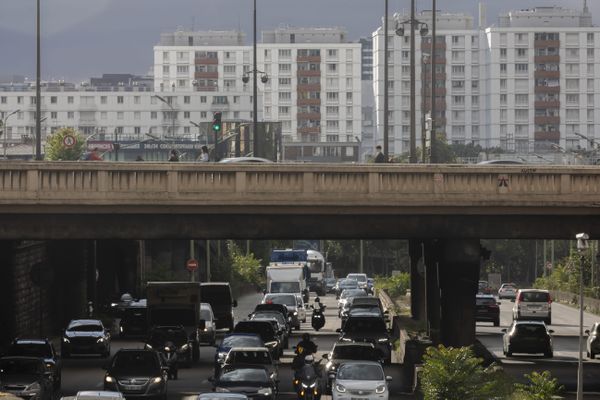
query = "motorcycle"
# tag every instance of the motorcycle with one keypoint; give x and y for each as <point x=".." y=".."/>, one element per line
<point x="169" y="353"/>
<point x="318" y="317"/>
<point x="307" y="383"/>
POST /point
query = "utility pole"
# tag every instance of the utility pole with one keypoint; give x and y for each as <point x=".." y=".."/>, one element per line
<point x="38" y="94"/>
<point x="413" y="111"/>
<point x="254" y="95"/>
<point x="432" y="139"/>
<point x="386" y="122"/>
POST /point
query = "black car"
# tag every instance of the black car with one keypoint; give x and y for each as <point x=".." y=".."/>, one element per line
<point x="267" y="333"/>
<point x="85" y="336"/>
<point x="241" y="357"/>
<point x="487" y="309"/>
<point x="160" y="335"/>
<point x="253" y="381"/>
<point x="40" y="348"/>
<point x="280" y="308"/>
<point x="235" y="340"/>
<point x="137" y="373"/>
<point x="218" y="295"/>
<point x="348" y="351"/>
<point x="133" y="320"/>
<point x="26" y="377"/>
<point x="279" y="323"/>
<point x="527" y="337"/>
<point x="344" y="284"/>
<point x="368" y="329"/>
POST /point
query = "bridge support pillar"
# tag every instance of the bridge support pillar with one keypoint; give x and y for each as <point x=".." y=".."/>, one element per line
<point x="459" y="274"/>
<point x="417" y="280"/>
<point x="432" y="285"/>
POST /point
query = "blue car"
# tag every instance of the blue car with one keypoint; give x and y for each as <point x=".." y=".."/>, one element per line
<point x="235" y="340"/>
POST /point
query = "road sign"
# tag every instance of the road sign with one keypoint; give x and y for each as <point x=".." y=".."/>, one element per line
<point x="69" y="141"/>
<point x="192" y="264"/>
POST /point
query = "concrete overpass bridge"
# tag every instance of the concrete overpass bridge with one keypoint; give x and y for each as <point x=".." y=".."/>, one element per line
<point x="444" y="210"/>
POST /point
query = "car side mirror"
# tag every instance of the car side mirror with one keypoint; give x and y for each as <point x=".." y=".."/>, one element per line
<point x="338" y="330"/>
<point x="326" y="356"/>
<point x="332" y="375"/>
<point x="201" y="324"/>
<point x="249" y="315"/>
<point x="211" y="379"/>
<point x="388" y="378"/>
<point x="264" y="291"/>
<point x="499" y="303"/>
<point x="235" y="303"/>
<point x="587" y="331"/>
<point x="504" y="330"/>
<point x="276" y="362"/>
<point x="550" y="331"/>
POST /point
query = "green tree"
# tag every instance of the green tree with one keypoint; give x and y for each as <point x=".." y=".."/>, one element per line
<point x="541" y="387"/>
<point x="245" y="266"/>
<point x="56" y="149"/>
<point x="456" y="374"/>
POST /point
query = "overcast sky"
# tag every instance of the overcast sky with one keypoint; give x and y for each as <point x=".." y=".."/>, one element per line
<point x="83" y="38"/>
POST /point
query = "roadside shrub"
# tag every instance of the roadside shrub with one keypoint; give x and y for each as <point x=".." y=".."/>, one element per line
<point x="541" y="387"/>
<point x="394" y="286"/>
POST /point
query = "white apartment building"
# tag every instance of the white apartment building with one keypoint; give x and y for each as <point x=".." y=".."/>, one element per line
<point x="313" y="84"/>
<point x="543" y="80"/>
<point x="459" y="80"/>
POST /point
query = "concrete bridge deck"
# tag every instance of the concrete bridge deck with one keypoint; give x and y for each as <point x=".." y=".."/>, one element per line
<point x="285" y="200"/>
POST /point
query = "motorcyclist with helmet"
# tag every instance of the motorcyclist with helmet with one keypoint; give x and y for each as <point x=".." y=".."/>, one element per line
<point x="308" y="345"/>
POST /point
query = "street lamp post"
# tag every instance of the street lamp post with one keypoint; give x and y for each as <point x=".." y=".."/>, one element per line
<point x="5" y="129"/>
<point x="433" y="144"/>
<point x="38" y="95"/>
<point x="423" y="30"/>
<point x="582" y="246"/>
<point x="162" y="99"/>
<point x="386" y="122"/>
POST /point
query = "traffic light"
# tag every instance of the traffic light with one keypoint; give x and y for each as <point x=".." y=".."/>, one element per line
<point x="216" y="124"/>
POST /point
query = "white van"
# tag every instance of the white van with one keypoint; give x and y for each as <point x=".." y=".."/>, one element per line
<point x="533" y="304"/>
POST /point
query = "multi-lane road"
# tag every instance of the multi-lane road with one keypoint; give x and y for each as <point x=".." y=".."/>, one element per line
<point x="87" y="373"/>
<point x="565" y="324"/>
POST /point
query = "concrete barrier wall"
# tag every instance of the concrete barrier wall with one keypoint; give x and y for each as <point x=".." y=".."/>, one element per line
<point x="590" y="305"/>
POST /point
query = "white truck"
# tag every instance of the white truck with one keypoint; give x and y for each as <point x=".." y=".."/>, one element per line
<point x="286" y="278"/>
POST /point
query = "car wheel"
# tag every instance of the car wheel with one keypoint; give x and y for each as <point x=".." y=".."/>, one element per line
<point x="549" y="354"/>
<point x="497" y="322"/>
<point x="548" y="321"/>
<point x="592" y="355"/>
<point x="508" y="352"/>
<point x="195" y="352"/>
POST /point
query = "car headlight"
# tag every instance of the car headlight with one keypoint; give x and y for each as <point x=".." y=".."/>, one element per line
<point x="49" y="365"/>
<point x="340" y="388"/>
<point x="121" y="329"/>
<point x="221" y="390"/>
<point x="158" y="379"/>
<point x="109" y="379"/>
<point x="380" y="389"/>
<point x="295" y="312"/>
<point x="66" y="340"/>
<point x="313" y="385"/>
<point x="382" y="340"/>
<point x="271" y="344"/>
<point x="185" y="347"/>
<point x="101" y="340"/>
<point x="328" y="365"/>
<point x="34" y="387"/>
<point x="265" y="391"/>
<point x="221" y="356"/>
<point x="345" y="339"/>
<point x="167" y="349"/>
<point x="149" y="347"/>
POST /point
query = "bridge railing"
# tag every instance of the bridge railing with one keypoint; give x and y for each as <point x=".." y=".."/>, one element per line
<point x="296" y="184"/>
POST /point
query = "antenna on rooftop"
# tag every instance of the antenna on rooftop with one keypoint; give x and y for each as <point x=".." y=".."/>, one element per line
<point x="585" y="7"/>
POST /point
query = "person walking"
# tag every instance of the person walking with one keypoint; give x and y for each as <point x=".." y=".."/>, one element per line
<point x="173" y="155"/>
<point x="379" y="156"/>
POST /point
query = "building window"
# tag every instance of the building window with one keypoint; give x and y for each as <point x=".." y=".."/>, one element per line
<point x="503" y="53"/>
<point x="71" y="115"/>
<point x="285" y="81"/>
<point x="203" y="114"/>
<point x="285" y="53"/>
<point x="284" y="68"/>
<point x="331" y="68"/>
<point x="285" y="95"/>
<point x="186" y="114"/>
<point x="166" y="69"/>
<point x="3" y="100"/>
<point x="120" y="100"/>
<point x="521" y="68"/>
<point x="349" y="97"/>
<point x="53" y="99"/>
<point x="182" y="69"/>
<point x="229" y="69"/>
<point x="202" y="99"/>
<point x="70" y="100"/>
<point x="53" y="115"/>
<point x="503" y="68"/>
<point x="153" y="115"/>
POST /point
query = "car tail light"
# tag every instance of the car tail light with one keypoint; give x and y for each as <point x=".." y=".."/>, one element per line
<point x="549" y="299"/>
<point x="520" y="298"/>
<point x="494" y="306"/>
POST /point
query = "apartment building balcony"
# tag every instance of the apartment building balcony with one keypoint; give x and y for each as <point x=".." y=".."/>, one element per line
<point x="213" y="88"/>
<point x="206" y="75"/>
<point x="547" y="89"/>
<point x="439" y="45"/>
<point x="206" y="61"/>
<point x="315" y="116"/>
<point x="309" y="87"/>
<point x="546" y="120"/>
<point x="547" y="74"/>
<point x="555" y="104"/>
<point x="551" y="136"/>
<point x="308" y="72"/>
<point x="542" y="44"/>
<point x="309" y="129"/>
<point x="219" y="107"/>
<point x="547" y="59"/>
<point x="309" y="102"/>
<point x="311" y="59"/>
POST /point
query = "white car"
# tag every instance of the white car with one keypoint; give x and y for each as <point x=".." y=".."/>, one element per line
<point x="290" y="301"/>
<point x="95" y="395"/>
<point x="507" y="291"/>
<point x="209" y="334"/>
<point x="301" y="307"/>
<point x="362" y="280"/>
<point x="363" y="380"/>
<point x="533" y="304"/>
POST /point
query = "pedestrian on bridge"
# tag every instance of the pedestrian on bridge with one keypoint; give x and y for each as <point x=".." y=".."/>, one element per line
<point x="379" y="156"/>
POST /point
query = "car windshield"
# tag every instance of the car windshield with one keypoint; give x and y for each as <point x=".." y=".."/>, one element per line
<point x="364" y="309"/>
<point x="270" y="315"/>
<point x="536" y="330"/>
<point x="144" y="363"/>
<point x="288" y="300"/>
<point x="354" y="353"/>
<point x="351" y="293"/>
<point x="349" y="283"/>
<point x="370" y="325"/>
<point x="205" y="315"/>
<point x="262" y="328"/>
<point x="287" y="256"/>
<point x="485" y="301"/>
<point x="167" y="316"/>
<point x="220" y="294"/>
<point x="285" y="287"/>
<point x="360" y="372"/>
<point x="30" y="350"/>
<point x="245" y="375"/>
<point x="242" y="341"/>
<point x="534" y="297"/>
<point x="248" y="357"/>
<point x="358" y="277"/>
<point x="19" y="367"/>
<point x="85" y="328"/>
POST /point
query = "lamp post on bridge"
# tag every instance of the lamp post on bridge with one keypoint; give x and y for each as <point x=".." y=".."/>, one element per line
<point x="582" y="246"/>
<point x="5" y="129"/>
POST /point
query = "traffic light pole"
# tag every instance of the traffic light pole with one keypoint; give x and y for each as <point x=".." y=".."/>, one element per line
<point x="254" y="94"/>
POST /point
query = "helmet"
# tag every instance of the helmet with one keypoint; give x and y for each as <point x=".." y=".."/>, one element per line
<point x="305" y="337"/>
<point x="317" y="300"/>
<point x="126" y="297"/>
<point x="309" y="359"/>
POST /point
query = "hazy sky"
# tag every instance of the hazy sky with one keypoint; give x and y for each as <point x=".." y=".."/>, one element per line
<point x="83" y="38"/>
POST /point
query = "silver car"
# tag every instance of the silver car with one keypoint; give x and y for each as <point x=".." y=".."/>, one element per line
<point x="209" y="334"/>
<point x="363" y="380"/>
<point x="593" y="340"/>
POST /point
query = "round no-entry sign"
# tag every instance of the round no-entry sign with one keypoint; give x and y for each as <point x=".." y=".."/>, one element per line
<point x="192" y="264"/>
<point x="69" y="141"/>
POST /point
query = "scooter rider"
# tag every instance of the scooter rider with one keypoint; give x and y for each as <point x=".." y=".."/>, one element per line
<point x="308" y="345"/>
<point x="318" y="304"/>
